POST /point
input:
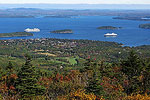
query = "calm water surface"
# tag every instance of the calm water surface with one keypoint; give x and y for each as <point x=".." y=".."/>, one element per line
<point x="84" y="27"/>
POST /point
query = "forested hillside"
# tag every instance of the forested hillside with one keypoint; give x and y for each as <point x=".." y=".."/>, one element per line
<point x="60" y="69"/>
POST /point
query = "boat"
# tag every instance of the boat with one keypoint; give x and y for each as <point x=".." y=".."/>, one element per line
<point x="110" y="34"/>
<point x="32" y="30"/>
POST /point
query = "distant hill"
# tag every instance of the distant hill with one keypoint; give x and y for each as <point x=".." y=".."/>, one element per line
<point x="61" y="11"/>
<point x="26" y="8"/>
<point x="21" y="9"/>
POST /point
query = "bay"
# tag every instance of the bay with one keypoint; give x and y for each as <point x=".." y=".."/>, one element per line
<point x="84" y="27"/>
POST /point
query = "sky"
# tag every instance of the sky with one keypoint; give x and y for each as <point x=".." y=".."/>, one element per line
<point x="76" y="1"/>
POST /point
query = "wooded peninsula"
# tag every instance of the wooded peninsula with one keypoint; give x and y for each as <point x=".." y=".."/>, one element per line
<point x="15" y="34"/>
<point x="145" y="26"/>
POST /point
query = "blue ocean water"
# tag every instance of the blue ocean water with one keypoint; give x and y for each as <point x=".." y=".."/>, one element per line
<point x="84" y="27"/>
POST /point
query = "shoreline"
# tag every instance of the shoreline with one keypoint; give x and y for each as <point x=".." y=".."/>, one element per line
<point x="121" y="44"/>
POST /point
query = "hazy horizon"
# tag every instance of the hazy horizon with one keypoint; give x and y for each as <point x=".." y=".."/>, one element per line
<point x="78" y="1"/>
<point x="76" y="6"/>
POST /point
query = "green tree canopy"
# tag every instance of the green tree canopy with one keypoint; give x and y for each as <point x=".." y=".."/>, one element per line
<point x="27" y="80"/>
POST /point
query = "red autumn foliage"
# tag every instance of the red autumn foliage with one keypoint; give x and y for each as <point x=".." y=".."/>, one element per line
<point x="12" y="87"/>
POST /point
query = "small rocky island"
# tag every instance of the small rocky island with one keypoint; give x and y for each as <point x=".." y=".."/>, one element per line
<point x="109" y="28"/>
<point x="145" y="26"/>
<point x="62" y="31"/>
<point x="15" y="34"/>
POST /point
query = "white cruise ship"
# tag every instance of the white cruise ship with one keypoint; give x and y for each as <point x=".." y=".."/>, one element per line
<point x="110" y="34"/>
<point x="32" y="30"/>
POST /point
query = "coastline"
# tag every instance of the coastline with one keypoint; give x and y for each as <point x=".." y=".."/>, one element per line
<point x="121" y="44"/>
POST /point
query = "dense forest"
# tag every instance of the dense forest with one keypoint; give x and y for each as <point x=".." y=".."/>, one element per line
<point x="61" y="69"/>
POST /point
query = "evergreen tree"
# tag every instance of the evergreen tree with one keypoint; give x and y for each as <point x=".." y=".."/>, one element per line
<point x="132" y="67"/>
<point x="27" y="84"/>
<point x="94" y="86"/>
<point x="94" y="82"/>
<point x="145" y="77"/>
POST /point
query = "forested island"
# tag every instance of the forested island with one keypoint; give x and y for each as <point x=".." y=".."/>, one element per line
<point x="62" y="31"/>
<point x="109" y="28"/>
<point x="15" y="34"/>
<point x="145" y="26"/>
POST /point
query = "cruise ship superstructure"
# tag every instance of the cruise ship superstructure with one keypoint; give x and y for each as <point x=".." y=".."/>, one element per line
<point x="32" y="30"/>
<point x="110" y="34"/>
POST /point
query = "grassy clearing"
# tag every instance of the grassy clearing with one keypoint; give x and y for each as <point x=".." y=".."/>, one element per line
<point x="36" y="50"/>
<point x="71" y="60"/>
<point x="47" y="54"/>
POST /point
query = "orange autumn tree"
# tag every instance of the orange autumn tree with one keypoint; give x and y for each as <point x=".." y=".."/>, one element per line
<point x="7" y="82"/>
<point x="79" y="95"/>
<point x="137" y="97"/>
<point x="60" y="84"/>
